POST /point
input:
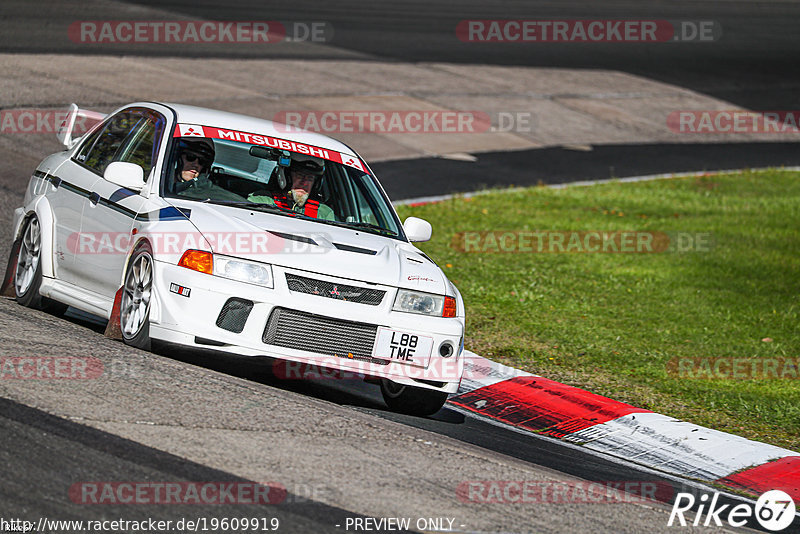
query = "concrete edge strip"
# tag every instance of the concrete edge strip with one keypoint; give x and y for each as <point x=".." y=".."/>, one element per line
<point x="535" y="404"/>
<point x="420" y="201"/>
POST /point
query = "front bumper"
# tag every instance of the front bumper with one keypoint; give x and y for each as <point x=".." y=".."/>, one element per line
<point x="192" y="318"/>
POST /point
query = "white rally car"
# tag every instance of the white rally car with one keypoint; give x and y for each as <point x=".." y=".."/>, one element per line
<point x="211" y="229"/>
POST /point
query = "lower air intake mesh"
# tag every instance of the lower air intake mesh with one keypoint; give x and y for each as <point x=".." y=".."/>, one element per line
<point x="304" y="331"/>
<point x="234" y="314"/>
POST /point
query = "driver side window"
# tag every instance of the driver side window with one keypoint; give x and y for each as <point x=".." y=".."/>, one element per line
<point x="144" y="142"/>
<point x="132" y="135"/>
<point x="101" y="149"/>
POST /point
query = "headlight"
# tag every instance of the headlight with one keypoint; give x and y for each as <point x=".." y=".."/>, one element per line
<point x="251" y="272"/>
<point x="422" y="303"/>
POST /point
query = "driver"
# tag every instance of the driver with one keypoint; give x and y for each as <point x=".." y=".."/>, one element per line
<point x="194" y="159"/>
<point x="304" y="175"/>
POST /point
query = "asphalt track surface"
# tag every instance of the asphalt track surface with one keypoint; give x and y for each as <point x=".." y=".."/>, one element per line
<point x="753" y="65"/>
<point x="90" y="455"/>
<point x="33" y="441"/>
<point x="406" y="179"/>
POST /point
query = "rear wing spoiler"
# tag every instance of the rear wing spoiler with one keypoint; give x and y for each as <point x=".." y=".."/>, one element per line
<point x="82" y="118"/>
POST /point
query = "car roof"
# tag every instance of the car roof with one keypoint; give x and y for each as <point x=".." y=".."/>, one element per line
<point x="233" y="121"/>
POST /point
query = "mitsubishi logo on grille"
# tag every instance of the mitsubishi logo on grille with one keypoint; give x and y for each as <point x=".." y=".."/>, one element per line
<point x="332" y="291"/>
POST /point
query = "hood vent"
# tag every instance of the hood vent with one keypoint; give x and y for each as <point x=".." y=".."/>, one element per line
<point x="427" y="258"/>
<point x="351" y="248"/>
<point x="292" y="237"/>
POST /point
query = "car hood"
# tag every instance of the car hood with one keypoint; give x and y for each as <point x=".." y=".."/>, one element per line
<point x="314" y="247"/>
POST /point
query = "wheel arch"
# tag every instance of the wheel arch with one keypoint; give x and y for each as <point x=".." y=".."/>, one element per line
<point x="113" y="328"/>
<point x="155" y="299"/>
<point x="44" y="212"/>
<point x="141" y="241"/>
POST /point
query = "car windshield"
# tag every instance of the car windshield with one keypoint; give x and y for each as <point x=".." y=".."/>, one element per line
<point x="293" y="184"/>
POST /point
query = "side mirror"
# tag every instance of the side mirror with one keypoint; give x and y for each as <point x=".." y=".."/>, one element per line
<point x="417" y="229"/>
<point x="124" y="174"/>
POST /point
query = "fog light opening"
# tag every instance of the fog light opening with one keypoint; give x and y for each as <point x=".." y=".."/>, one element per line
<point x="446" y="349"/>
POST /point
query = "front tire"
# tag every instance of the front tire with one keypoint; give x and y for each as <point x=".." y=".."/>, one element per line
<point x="412" y="400"/>
<point x="28" y="271"/>
<point x="134" y="318"/>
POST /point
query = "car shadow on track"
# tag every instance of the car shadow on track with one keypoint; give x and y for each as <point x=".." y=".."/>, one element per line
<point x="319" y="383"/>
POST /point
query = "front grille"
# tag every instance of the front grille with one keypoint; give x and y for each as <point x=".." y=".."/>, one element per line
<point x="334" y="337"/>
<point x="234" y="315"/>
<point x="321" y="288"/>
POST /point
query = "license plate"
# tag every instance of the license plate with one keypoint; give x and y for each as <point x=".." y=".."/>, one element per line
<point x="403" y="347"/>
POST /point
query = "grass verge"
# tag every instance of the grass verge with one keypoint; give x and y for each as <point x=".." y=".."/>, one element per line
<point x="654" y="329"/>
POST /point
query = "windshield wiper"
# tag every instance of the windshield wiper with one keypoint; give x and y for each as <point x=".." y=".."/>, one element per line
<point x="245" y="204"/>
<point x="370" y="226"/>
<point x="278" y="209"/>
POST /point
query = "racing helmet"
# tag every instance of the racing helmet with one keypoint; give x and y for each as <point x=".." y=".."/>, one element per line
<point x="201" y="146"/>
<point x="306" y="164"/>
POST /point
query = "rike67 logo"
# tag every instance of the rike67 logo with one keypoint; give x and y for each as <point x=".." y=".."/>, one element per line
<point x="774" y="510"/>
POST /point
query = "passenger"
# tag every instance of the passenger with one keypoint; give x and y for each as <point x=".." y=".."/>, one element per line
<point x="305" y="175"/>
<point x="195" y="157"/>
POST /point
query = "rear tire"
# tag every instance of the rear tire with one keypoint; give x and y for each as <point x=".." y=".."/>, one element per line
<point x="28" y="271"/>
<point x="412" y="400"/>
<point x="134" y="313"/>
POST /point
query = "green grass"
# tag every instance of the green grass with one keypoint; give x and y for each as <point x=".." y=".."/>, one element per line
<point x="611" y="323"/>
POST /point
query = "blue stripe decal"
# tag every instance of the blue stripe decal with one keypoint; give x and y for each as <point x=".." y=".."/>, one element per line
<point x="165" y="214"/>
<point x="119" y="194"/>
<point x="172" y="213"/>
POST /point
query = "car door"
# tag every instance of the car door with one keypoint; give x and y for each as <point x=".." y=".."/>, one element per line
<point x="65" y="196"/>
<point x="110" y="210"/>
<point x="72" y="183"/>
